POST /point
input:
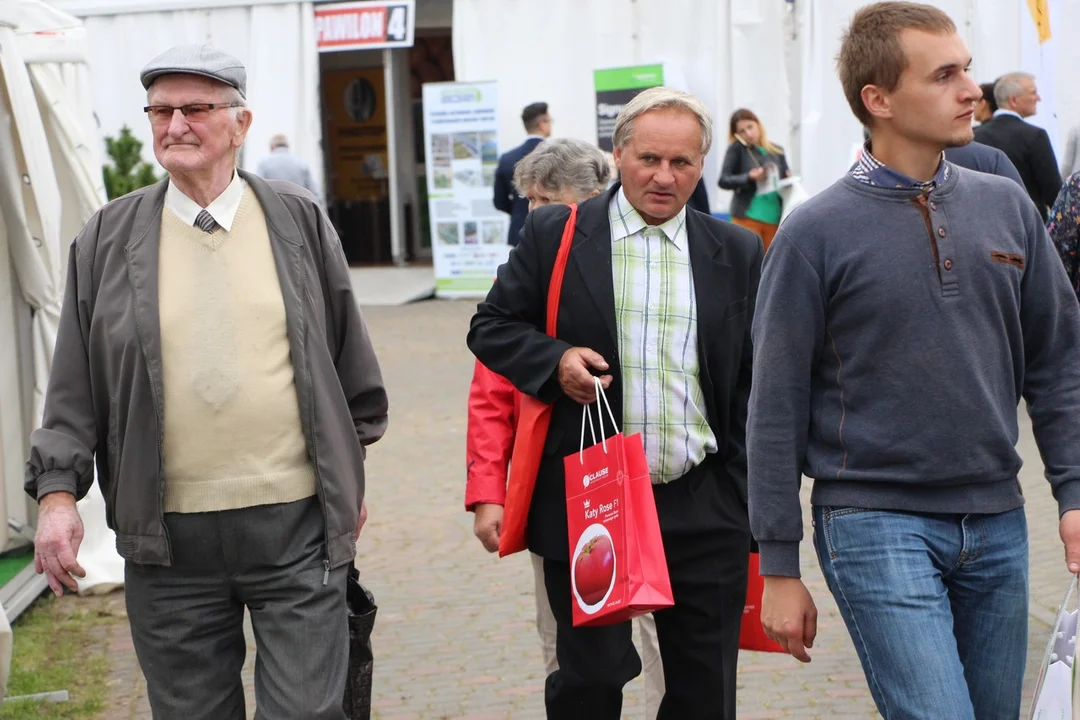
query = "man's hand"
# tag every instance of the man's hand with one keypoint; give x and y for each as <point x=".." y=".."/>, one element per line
<point x="788" y="615"/>
<point x="487" y="524"/>
<point x="575" y="378"/>
<point x="56" y="545"/>
<point x="757" y="173"/>
<point x="361" y="520"/>
<point x="1069" y="529"/>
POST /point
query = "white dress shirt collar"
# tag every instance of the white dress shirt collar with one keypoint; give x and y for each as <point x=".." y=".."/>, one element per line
<point x="1002" y="111"/>
<point x="222" y="209"/>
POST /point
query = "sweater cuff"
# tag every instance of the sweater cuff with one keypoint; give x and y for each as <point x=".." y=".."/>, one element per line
<point x="52" y="481"/>
<point x="1068" y="496"/>
<point x="779" y="558"/>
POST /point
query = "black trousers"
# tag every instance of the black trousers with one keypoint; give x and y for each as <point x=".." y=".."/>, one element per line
<point x="707" y="543"/>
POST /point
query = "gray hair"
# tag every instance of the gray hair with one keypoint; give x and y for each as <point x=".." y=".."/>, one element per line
<point x="662" y="98"/>
<point x="563" y="165"/>
<point x="279" y="140"/>
<point x="1009" y="86"/>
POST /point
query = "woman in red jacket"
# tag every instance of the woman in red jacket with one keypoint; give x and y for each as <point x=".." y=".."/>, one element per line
<point x="563" y="171"/>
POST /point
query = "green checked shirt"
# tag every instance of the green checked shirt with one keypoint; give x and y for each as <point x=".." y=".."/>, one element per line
<point x="656" y="320"/>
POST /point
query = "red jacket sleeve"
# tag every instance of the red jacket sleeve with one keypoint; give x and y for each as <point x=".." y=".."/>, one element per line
<point x="489" y="438"/>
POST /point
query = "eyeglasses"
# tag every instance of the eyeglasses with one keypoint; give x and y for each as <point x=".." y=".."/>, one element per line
<point x="196" y="112"/>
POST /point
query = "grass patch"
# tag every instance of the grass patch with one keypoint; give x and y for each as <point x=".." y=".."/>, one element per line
<point x="12" y="565"/>
<point x="59" y="646"/>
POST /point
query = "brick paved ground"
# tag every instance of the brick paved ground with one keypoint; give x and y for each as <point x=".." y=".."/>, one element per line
<point x="454" y="637"/>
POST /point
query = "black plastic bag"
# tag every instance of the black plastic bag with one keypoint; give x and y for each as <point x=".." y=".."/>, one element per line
<point x="361" y="604"/>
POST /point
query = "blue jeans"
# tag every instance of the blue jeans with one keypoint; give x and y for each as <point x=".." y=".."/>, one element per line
<point x="936" y="606"/>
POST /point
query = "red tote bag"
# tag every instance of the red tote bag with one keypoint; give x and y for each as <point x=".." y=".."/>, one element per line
<point x="618" y="570"/>
<point x="534" y="417"/>
<point x="751" y="635"/>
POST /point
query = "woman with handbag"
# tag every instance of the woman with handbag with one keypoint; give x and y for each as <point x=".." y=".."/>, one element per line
<point x="565" y="171"/>
<point x="753" y="168"/>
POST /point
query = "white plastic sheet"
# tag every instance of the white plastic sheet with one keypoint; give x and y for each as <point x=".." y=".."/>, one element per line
<point x="276" y="43"/>
<point x="727" y="52"/>
<point x="50" y="184"/>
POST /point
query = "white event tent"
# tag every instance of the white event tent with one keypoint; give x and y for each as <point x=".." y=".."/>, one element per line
<point x="50" y="185"/>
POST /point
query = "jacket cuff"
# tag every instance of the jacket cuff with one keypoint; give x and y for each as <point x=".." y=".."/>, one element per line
<point x="470" y="505"/>
<point x="779" y="558"/>
<point x="1068" y="496"/>
<point x="57" y="481"/>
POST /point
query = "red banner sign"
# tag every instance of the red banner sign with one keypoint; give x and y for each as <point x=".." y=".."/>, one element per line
<point x="365" y="25"/>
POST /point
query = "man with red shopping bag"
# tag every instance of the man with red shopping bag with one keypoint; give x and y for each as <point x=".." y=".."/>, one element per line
<point x="656" y="301"/>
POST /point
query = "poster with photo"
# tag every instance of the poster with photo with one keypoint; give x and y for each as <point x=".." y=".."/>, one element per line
<point x="462" y="151"/>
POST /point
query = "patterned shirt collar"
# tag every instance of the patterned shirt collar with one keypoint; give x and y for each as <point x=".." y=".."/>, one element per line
<point x="627" y="222"/>
<point x="871" y="171"/>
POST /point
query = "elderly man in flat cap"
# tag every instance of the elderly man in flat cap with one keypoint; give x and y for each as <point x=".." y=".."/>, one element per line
<point x="212" y="362"/>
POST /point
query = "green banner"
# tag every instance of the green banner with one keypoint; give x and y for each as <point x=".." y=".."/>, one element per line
<point x="628" y="78"/>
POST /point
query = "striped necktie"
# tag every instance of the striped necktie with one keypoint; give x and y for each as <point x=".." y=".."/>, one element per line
<point x="206" y="222"/>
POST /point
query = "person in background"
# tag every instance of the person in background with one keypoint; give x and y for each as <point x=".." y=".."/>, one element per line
<point x="213" y="366"/>
<point x="563" y="171"/>
<point x="985" y="106"/>
<point x="537" y="123"/>
<point x="281" y="164"/>
<point x="1064" y="228"/>
<point x="700" y="199"/>
<point x="752" y="168"/>
<point x="897" y="389"/>
<point x="1027" y="146"/>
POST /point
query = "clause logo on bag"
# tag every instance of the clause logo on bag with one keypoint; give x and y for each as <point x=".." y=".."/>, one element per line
<point x="593" y="477"/>
<point x="592" y="574"/>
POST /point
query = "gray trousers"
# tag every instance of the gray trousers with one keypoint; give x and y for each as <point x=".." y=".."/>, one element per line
<point x="187" y="620"/>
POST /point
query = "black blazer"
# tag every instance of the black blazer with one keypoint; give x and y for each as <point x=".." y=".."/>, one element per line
<point x="507" y="335"/>
<point x="735" y="174"/>
<point x="506" y="197"/>
<point x="1029" y="149"/>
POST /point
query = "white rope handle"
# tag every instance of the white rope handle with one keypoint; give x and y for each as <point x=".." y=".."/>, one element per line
<point x="600" y="415"/>
<point x="592" y="431"/>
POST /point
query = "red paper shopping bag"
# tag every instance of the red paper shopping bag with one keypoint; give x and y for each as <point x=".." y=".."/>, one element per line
<point x="618" y="570"/>
<point x="751" y="635"/>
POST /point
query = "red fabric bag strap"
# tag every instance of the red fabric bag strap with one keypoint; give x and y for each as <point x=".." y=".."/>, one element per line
<point x="557" y="272"/>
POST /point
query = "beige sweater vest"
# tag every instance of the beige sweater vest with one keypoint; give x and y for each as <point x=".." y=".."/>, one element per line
<point x="233" y="437"/>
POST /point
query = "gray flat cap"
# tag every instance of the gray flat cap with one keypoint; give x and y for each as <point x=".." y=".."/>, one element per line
<point x="204" y="60"/>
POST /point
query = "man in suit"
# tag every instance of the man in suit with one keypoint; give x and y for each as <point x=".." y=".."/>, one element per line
<point x="538" y="126"/>
<point x="657" y="301"/>
<point x="1027" y="146"/>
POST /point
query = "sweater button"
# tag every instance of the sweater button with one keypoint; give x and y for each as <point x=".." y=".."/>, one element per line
<point x="948" y="264"/>
<point x="941" y="232"/>
<point x="933" y="206"/>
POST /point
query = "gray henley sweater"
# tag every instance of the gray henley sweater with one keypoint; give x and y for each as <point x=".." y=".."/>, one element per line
<point x="894" y="335"/>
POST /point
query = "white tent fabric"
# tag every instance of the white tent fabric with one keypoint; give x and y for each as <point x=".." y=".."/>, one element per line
<point x="1001" y="36"/>
<point x="730" y="53"/>
<point x="276" y="43"/>
<point x="50" y="184"/>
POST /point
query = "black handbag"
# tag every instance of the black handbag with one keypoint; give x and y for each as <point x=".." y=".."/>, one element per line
<point x="361" y="605"/>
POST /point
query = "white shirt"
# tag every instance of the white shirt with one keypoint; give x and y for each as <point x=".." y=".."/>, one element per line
<point x="222" y="209"/>
<point x="1000" y="111"/>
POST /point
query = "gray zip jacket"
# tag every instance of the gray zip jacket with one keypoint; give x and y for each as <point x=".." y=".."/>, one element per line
<point x="104" y="399"/>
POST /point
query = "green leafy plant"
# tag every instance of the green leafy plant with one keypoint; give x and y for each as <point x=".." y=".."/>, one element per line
<point x="127" y="171"/>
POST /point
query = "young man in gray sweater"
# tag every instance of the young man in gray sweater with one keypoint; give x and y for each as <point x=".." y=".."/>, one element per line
<point x="902" y="314"/>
